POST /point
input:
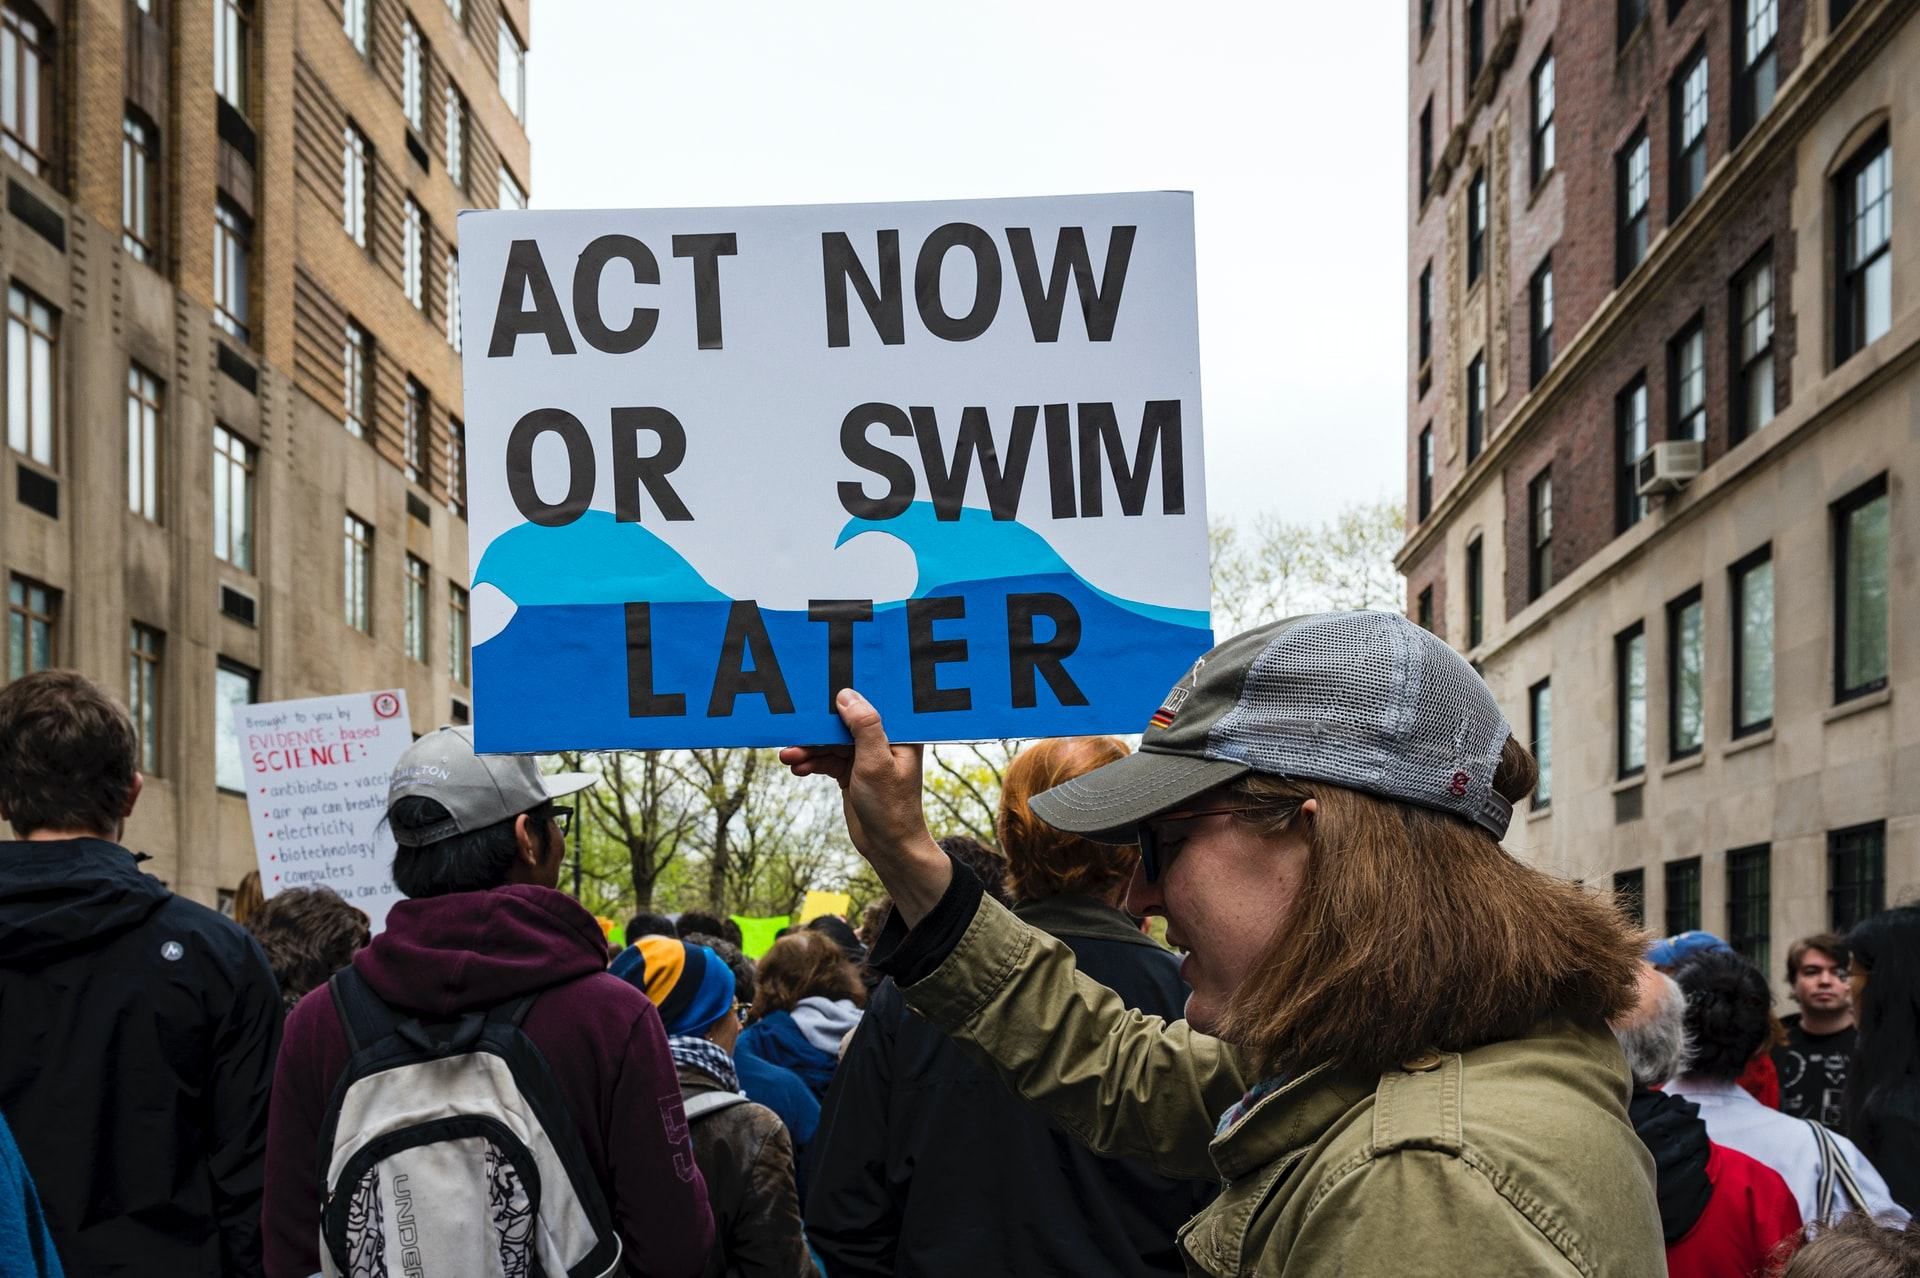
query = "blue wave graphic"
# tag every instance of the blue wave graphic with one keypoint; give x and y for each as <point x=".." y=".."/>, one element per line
<point x="594" y="559"/>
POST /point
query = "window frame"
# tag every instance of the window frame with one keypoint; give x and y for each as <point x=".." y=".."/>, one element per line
<point x="1476" y="23"/>
<point x="1423" y="610"/>
<point x="233" y="455"/>
<point x="457" y="467"/>
<point x="1851" y="310"/>
<point x="357" y="573"/>
<point x="1843" y="510"/>
<point x="413" y="253"/>
<point x="354" y="20"/>
<point x="1738" y="574"/>
<point x="146" y="672"/>
<point x="1749" y="904"/>
<point x="223" y="722"/>
<point x="1476" y="573"/>
<point x="459" y="635"/>
<point x="1543" y="157"/>
<point x="1538" y="696"/>
<point x="232" y="48"/>
<point x="417" y="606"/>
<point x="454" y="106"/>
<point x="146" y="443"/>
<point x="357" y="371"/>
<point x="356" y="183"/>
<point x="1476" y="406"/>
<point x="1683" y="873"/>
<point x="1629" y="507"/>
<point x="1623" y="647"/>
<point x="413" y="73"/>
<point x="511" y="195"/>
<point x="27" y="615"/>
<point x="1677" y="609"/>
<point x="1426" y="150"/>
<point x="31" y="139"/>
<point x="37" y="324"/>
<point x="232" y="269"/>
<point x="1868" y="891"/>
<point x="1476" y="226"/>
<point x="514" y="94"/>
<point x="1756" y="70"/>
<point x="1687" y="159"/>
<point x="1540" y="533"/>
<point x="417" y="428"/>
<point x="1423" y="474"/>
<point x="1686" y="421"/>
<point x="140" y="225"/>
<point x="1633" y="171"/>
<point x="1540" y="321"/>
<point x="1630" y="16"/>
<point x="1747" y="367"/>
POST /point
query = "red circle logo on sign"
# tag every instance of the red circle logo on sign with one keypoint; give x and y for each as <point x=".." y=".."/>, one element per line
<point x="385" y="705"/>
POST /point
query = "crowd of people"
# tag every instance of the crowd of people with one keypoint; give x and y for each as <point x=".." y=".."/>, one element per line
<point x="1379" y="1044"/>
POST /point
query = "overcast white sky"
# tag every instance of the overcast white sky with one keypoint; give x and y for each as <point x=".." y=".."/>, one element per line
<point x="1286" y="121"/>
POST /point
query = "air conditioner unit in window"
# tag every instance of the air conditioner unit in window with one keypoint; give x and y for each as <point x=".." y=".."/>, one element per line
<point x="1667" y="466"/>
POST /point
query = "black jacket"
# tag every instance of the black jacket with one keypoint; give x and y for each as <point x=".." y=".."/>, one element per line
<point x="137" y="1033"/>
<point x="925" y="1166"/>
<point x="1674" y="1133"/>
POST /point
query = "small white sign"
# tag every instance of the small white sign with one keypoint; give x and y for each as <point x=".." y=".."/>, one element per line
<point x="317" y="774"/>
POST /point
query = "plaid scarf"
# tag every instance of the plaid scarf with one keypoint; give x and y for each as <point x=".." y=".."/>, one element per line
<point x="1257" y="1093"/>
<point x="706" y="1056"/>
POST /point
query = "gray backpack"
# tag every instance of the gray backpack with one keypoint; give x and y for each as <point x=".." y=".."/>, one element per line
<point x="448" y="1152"/>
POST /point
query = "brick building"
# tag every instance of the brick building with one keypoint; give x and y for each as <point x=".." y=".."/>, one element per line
<point x="1649" y="238"/>
<point x="232" y="365"/>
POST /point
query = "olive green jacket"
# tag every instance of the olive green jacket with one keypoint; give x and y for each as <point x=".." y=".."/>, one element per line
<point x="1513" y="1158"/>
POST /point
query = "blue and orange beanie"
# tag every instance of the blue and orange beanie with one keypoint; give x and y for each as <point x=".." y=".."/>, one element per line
<point x="690" y="984"/>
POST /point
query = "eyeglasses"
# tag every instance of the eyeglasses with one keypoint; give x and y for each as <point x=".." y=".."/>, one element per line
<point x="742" y="1010"/>
<point x="563" y="817"/>
<point x="1162" y="836"/>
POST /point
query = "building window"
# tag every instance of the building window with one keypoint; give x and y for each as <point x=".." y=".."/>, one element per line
<point x="453" y="302"/>
<point x="1687" y="383"/>
<point x="458" y="8"/>
<point x="1540" y="534"/>
<point x="414" y="444"/>
<point x="1753" y="347"/>
<point x="1752" y="582"/>
<point x="1543" y="156"/>
<point x="1423" y="610"/>
<point x="233" y="685"/>
<point x="1423" y="502"/>
<point x="413" y="273"/>
<point x="1756" y="61"/>
<point x="145" y="446"/>
<point x="358" y="575"/>
<point x="413" y="74"/>
<point x="357" y="360"/>
<point x="1476" y="226"/>
<point x="1634" y="178"/>
<point x="1864" y="308"/>
<point x="456" y="137"/>
<point x="1630" y="699"/>
<point x="1426" y="18"/>
<point x="1630" y="434"/>
<point x="1856" y="874"/>
<point x="139" y="156"/>
<point x="459" y="666"/>
<point x="144" y="648"/>
<point x="33" y="374"/>
<point x="1683" y="896"/>
<point x="1426" y="322"/>
<point x="1749" y="902"/>
<point x="1476" y="39"/>
<point x="1426" y="151"/>
<point x="232" y="499"/>
<point x="1630" y="893"/>
<point x="230" y="53"/>
<point x="1837" y="11"/>
<point x="26" y="88"/>
<point x="1476" y="406"/>
<point x="1540" y="321"/>
<point x="1686" y="674"/>
<point x="356" y="24"/>
<point x="513" y="70"/>
<point x="1860" y="596"/>
<point x="511" y="196"/>
<point x="1476" y="594"/>
<point x="33" y="625"/>
<point x="1632" y="14"/>
<point x="457" y="467"/>
<point x="358" y="184"/>
<point x="416" y="609"/>
<point x="1540" y="721"/>
<point x="232" y="245"/>
<point x="1689" y="115"/>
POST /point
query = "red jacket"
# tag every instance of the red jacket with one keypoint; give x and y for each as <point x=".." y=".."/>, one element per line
<point x="1750" y="1213"/>
<point x="1762" y="1080"/>
<point x="600" y="1036"/>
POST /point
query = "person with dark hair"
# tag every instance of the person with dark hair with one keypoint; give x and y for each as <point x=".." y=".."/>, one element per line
<point x="137" y="1028"/>
<point x="1854" y="1246"/>
<point x="247" y="897"/>
<point x="841" y="933"/>
<point x="985" y="864"/>
<point x="1722" y="1213"/>
<point x="650" y="925"/>
<point x="481" y="844"/>
<point x="1726" y="1020"/>
<point x="1883" y="1101"/>
<point x="742" y="1147"/>
<point x="1812" y="1062"/>
<point x="807" y="999"/>
<point x="775" y="1086"/>
<point x="1395" y="1050"/>
<point x="308" y="934"/>
<point x="900" y="1187"/>
<point x="695" y="921"/>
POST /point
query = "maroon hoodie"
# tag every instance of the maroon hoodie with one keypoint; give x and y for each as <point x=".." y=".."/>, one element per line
<point x="601" y="1037"/>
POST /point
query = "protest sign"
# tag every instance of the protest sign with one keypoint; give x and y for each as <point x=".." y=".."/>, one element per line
<point x="723" y="462"/>
<point x="317" y="774"/>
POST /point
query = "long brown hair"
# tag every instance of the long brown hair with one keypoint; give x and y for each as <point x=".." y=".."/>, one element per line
<point x="1043" y="861"/>
<point x="801" y="965"/>
<point x="1414" y="931"/>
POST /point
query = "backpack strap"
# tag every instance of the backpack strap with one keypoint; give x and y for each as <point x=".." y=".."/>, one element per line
<point x="512" y="1012"/>
<point x="1833" y="1166"/>
<point x="711" y="1103"/>
<point x="363" y="1014"/>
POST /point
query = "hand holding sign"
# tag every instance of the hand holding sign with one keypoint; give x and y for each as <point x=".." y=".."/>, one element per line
<point x="723" y="465"/>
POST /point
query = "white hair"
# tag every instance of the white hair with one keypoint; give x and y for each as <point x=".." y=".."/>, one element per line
<point x="1654" y="1037"/>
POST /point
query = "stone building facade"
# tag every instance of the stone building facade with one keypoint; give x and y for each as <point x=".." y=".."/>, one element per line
<point x="233" y="386"/>
<point x="1696" y="222"/>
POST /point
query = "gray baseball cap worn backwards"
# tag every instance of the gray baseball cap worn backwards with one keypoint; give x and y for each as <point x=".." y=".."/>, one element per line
<point x="1364" y="700"/>
<point x="476" y="790"/>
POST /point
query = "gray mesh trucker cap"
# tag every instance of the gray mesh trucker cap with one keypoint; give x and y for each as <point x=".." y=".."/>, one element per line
<point x="477" y="790"/>
<point x="1364" y="700"/>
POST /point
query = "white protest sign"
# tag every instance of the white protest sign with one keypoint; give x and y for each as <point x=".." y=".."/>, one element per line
<point x="722" y="462"/>
<point x="317" y="774"/>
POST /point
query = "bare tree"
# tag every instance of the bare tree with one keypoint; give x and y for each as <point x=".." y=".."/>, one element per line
<point x="963" y="786"/>
<point x="1274" y="568"/>
<point x="642" y="805"/>
<point x="727" y="779"/>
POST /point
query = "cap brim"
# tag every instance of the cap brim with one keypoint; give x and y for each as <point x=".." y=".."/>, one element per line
<point x="1108" y="804"/>
<point x="561" y="784"/>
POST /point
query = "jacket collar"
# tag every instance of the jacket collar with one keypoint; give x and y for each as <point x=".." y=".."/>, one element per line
<point x="1288" y="1121"/>
<point x="1082" y="916"/>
